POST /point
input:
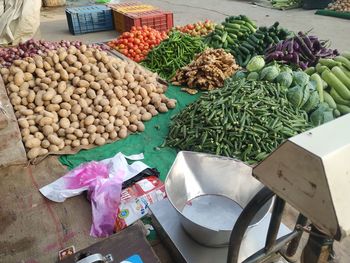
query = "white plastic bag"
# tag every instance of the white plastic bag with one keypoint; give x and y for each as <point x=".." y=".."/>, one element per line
<point x="19" y="21"/>
<point x="103" y="181"/>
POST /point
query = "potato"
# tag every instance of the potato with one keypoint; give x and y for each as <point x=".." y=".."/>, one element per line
<point x="154" y="112"/>
<point x="33" y="153"/>
<point x="31" y="68"/>
<point x="123" y="133"/>
<point x="49" y="94"/>
<point x="45" y="144"/>
<point x="39" y="136"/>
<point x="83" y="83"/>
<point x="16" y="100"/>
<point x="45" y="121"/>
<point x="81" y="116"/>
<point x="23" y="123"/>
<point x="53" y="107"/>
<point x="79" y="133"/>
<point x="146" y="116"/>
<point x="53" y="148"/>
<point x="91" y="129"/>
<point x="56" y="99"/>
<point x="86" y="68"/>
<point x="92" y="138"/>
<point x="55" y="127"/>
<point x="61" y="87"/>
<point x="132" y="128"/>
<point x="28" y="76"/>
<point x="64" y="74"/>
<point x="19" y="78"/>
<point x="100" y="141"/>
<point x="25" y="132"/>
<point x="71" y="59"/>
<point x="129" y="77"/>
<point x="40" y="73"/>
<point x="75" y="143"/>
<point x="76" y="109"/>
<point x="78" y="65"/>
<point x="26" y="112"/>
<point x="47" y="65"/>
<point x="31" y="96"/>
<point x="54" y="139"/>
<point x="64" y="123"/>
<point x="91" y="94"/>
<point x="171" y="103"/>
<point x="140" y="126"/>
<point x="32" y="143"/>
<point x="89" y="120"/>
<point x="63" y="113"/>
<point x="95" y="85"/>
<point x="113" y="135"/>
<point x="23" y="93"/>
<point x="47" y="130"/>
<point x="62" y="55"/>
<point x="75" y="124"/>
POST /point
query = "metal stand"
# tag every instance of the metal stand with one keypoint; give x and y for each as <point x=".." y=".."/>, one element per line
<point x="272" y="244"/>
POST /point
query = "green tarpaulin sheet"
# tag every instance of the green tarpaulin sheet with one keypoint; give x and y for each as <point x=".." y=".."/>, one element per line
<point x="344" y="15"/>
<point x="146" y="142"/>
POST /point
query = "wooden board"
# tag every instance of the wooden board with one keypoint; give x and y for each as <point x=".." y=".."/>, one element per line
<point x="121" y="246"/>
<point x="11" y="147"/>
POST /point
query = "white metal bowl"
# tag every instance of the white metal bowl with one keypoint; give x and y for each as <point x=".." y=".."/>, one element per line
<point x="209" y="192"/>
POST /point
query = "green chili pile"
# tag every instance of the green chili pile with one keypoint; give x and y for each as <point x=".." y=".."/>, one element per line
<point x="245" y="119"/>
<point x="173" y="53"/>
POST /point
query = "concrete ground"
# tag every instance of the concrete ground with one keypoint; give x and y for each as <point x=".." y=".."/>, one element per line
<point x="33" y="229"/>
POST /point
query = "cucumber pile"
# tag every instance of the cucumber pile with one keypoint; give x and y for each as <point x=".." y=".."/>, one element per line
<point x="230" y="33"/>
<point x="256" y="43"/>
<point x="335" y="73"/>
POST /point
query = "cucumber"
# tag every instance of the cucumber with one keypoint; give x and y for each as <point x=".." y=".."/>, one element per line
<point x="244" y="50"/>
<point x="347" y="72"/>
<point x="247" y="46"/>
<point x="343" y="109"/>
<point x="330" y="63"/>
<point x="217" y="37"/>
<point x="341" y="76"/>
<point x="336" y="113"/>
<point x="224" y="37"/>
<point x="230" y="25"/>
<point x="231" y="30"/>
<point x="233" y="36"/>
<point x="336" y="84"/>
<point x="338" y="99"/>
<point x="310" y="71"/>
<point x="344" y="61"/>
<point x="230" y="40"/>
<point x="319" y="85"/>
<point x="320" y="68"/>
<point x="236" y="21"/>
<point x="329" y="100"/>
<point x="346" y="55"/>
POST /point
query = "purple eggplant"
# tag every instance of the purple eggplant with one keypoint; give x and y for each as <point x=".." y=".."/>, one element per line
<point x="291" y="46"/>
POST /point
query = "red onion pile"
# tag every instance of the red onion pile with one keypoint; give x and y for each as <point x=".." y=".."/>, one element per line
<point x="33" y="47"/>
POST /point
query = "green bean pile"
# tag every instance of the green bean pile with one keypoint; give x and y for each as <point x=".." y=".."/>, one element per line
<point x="173" y="53"/>
<point x="245" y="119"/>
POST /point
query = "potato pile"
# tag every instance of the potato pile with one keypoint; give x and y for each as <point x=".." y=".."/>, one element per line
<point x="340" y="5"/>
<point x="77" y="97"/>
<point x="207" y="71"/>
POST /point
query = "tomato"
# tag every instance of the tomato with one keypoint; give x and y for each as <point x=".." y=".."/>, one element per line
<point x="145" y="52"/>
<point x="130" y="45"/>
<point x="137" y="41"/>
<point x="121" y="46"/>
<point x="133" y="28"/>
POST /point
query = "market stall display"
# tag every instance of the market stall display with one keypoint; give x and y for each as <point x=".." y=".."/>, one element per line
<point x="33" y="47"/>
<point x="333" y="76"/>
<point x="197" y="29"/>
<point x="286" y="4"/>
<point x="173" y="53"/>
<point x="232" y="122"/>
<point x="302" y="51"/>
<point x="73" y="97"/>
<point x="227" y="34"/>
<point x="207" y="71"/>
<point x="339" y="5"/>
<point x="256" y="43"/>
<point x="138" y="42"/>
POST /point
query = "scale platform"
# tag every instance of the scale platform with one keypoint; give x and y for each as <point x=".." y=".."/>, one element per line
<point x="185" y="249"/>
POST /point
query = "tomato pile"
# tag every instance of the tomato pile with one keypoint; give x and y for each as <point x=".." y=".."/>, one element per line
<point x="138" y="42"/>
<point x="197" y="29"/>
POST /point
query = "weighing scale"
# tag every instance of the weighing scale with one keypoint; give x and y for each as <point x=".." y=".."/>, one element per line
<point x="311" y="172"/>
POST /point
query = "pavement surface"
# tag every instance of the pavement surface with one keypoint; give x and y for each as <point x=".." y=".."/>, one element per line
<point x="32" y="228"/>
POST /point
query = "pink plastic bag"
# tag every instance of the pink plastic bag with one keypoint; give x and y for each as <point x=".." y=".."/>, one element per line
<point x="104" y="194"/>
<point x="103" y="181"/>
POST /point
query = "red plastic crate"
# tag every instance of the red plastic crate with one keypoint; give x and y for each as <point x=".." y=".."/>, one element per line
<point x="157" y="19"/>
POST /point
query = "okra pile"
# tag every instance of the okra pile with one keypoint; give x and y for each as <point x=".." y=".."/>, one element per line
<point x="173" y="53"/>
<point x="245" y="120"/>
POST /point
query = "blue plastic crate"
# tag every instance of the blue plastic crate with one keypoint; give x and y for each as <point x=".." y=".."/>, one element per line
<point x="86" y="19"/>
